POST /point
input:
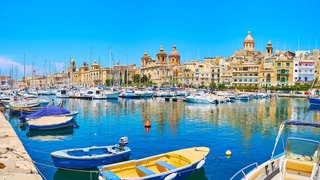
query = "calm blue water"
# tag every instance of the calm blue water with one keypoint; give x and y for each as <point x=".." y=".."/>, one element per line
<point x="248" y="129"/>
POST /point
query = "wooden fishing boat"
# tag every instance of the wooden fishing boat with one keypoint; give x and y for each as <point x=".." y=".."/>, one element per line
<point x="172" y="165"/>
<point x="299" y="161"/>
<point x="51" y="122"/>
<point x="91" y="157"/>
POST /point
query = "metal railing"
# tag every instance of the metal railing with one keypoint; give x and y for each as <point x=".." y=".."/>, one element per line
<point x="242" y="170"/>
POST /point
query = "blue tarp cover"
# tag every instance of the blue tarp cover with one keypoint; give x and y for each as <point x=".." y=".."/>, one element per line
<point x="48" y="111"/>
<point x="301" y="123"/>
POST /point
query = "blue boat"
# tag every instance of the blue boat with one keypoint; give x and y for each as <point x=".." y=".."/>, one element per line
<point x="91" y="157"/>
<point x="314" y="100"/>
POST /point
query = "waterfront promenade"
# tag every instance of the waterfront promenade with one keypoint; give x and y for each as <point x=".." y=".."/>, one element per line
<point x="15" y="162"/>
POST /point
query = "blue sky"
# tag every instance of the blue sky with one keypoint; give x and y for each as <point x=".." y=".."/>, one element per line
<point x="49" y="33"/>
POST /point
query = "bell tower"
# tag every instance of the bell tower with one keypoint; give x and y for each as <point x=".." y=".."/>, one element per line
<point x="162" y="57"/>
<point x="269" y="48"/>
<point x="248" y="43"/>
<point x="73" y="66"/>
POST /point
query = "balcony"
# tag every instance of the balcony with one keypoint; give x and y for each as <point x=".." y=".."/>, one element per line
<point x="283" y="73"/>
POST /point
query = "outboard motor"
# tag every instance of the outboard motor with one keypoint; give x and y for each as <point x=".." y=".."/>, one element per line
<point x="123" y="142"/>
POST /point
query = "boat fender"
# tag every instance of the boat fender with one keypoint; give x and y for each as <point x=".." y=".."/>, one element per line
<point x="200" y="164"/>
<point x="171" y="176"/>
<point x="228" y="153"/>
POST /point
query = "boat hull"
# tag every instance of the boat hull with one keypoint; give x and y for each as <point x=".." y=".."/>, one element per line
<point x="314" y="101"/>
<point x="176" y="164"/>
<point x="199" y="101"/>
<point x="40" y="126"/>
<point x="88" y="158"/>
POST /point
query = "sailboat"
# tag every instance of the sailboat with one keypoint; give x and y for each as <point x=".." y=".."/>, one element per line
<point x="111" y="93"/>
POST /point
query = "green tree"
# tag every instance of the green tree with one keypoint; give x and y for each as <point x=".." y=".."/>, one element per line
<point x="144" y="79"/>
<point x="221" y="86"/>
<point x="136" y="78"/>
<point x="109" y="82"/>
<point x="213" y="85"/>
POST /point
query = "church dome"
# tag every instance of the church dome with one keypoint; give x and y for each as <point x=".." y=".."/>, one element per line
<point x="162" y="51"/>
<point x="249" y="37"/>
<point x="174" y="51"/>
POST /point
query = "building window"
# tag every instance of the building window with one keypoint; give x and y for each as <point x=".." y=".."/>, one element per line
<point x="288" y="64"/>
<point x="279" y="64"/>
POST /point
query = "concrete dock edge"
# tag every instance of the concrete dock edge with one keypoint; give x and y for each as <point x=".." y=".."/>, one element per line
<point x="15" y="162"/>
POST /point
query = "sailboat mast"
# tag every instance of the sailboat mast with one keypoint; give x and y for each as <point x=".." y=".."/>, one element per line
<point x="24" y="68"/>
<point x="127" y="71"/>
<point x="111" y="75"/>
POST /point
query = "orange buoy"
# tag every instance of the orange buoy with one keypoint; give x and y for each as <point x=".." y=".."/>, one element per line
<point x="147" y="124"/>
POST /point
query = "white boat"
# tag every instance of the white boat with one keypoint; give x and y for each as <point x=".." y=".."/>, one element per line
<point x="244" y="97"/>
<point x="129" y="94"/>
<point x="62" y="93"/>
<point x="112" y="94"/>
<point x="201" y="98"/>
<point x="96" y="93"/>
<point x="144" y="93"/>
<point x="299" y="161"/>
<point x="17" y="105"/>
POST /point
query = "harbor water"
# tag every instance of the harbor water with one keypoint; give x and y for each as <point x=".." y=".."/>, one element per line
<point x="247" y="128"/>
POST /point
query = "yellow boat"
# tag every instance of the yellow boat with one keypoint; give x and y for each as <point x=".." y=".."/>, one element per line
<point x="172" y="165"/>
<point x="299" y="161"/>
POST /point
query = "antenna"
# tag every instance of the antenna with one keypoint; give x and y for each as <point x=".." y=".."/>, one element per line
<point x="298" y="44"/>
<point x="65" y="64"/>
<point x="90" y="55"/>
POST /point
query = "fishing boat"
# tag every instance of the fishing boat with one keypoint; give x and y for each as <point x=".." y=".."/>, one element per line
<point x="51" y="122"/>
<point x="91" y="157"/>
<point x="49" y="111"/>
<point x="300" y="159"/>
<point x="171" y="165"/>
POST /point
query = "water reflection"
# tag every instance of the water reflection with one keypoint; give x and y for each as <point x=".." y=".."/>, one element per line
<point x="243" y="127"/>
<point x="76" y="174"/>
<point x="50" y="135"/>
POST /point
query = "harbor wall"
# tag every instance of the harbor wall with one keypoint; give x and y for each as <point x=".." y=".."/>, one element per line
<point x="15" y="162"/>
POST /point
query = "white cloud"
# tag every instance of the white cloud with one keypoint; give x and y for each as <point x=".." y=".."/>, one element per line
<point x="7" y="66"/>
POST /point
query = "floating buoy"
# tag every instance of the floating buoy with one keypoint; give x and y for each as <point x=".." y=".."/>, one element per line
<point x="147" y="124"/>
<point x="228" y="153"/>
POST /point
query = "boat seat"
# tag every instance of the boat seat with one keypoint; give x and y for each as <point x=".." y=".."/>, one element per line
<point x="145" y="170"/>
<point x="166" y="165"/>
<point x="109" y="174"/>
<point x="296" y="169"/>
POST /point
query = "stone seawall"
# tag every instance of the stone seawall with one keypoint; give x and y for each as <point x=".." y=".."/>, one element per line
<point x="15" y="162"/>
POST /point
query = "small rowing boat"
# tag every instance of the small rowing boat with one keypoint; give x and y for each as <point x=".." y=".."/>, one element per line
<point x="91" y="157"/>
<point x="171" y="165"/>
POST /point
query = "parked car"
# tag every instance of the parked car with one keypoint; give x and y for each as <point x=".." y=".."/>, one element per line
<point x="298" y="92"/>
<point x="307" y="92"/>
